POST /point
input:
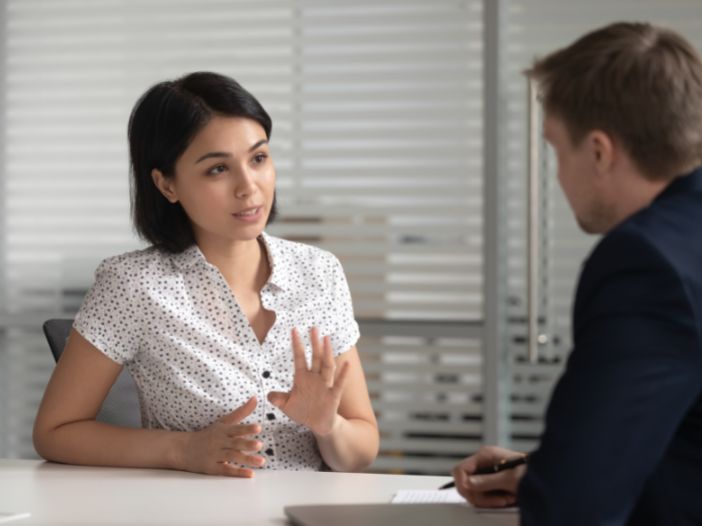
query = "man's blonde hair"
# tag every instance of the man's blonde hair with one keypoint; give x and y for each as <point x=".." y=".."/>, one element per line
<point x="640" y="83"/>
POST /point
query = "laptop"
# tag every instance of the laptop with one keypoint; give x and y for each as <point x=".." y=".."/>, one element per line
<point x="385" y="515"/>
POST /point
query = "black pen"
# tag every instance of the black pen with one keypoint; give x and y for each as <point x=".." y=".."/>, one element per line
<point x="495" y="468"/>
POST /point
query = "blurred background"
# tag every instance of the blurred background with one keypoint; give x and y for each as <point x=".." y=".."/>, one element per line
<point x="401" y="139"/>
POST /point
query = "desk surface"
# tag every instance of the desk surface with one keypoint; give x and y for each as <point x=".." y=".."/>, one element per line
<point x="76" y="495"/>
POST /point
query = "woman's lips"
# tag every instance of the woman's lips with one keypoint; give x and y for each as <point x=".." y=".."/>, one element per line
<point x="250" y="215"/>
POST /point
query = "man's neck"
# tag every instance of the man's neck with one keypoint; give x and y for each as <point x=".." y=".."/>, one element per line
<point x="633" y="192"/>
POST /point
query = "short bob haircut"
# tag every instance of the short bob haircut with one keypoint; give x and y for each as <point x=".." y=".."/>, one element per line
<point x="163" y="123"/>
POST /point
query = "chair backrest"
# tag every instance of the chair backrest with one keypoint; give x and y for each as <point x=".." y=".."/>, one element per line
<point x="121" y="406"/>
<point x="56" y="332"/>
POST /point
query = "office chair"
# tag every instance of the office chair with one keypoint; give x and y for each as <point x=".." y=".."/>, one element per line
<point x="121" y="406"/>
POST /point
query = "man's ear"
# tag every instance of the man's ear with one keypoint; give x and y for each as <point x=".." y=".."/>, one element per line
<point x="164" y="185"/>
<point x="602" y="149"/>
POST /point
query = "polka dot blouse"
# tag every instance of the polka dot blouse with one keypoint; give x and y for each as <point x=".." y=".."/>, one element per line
<point x="173" y="321"/>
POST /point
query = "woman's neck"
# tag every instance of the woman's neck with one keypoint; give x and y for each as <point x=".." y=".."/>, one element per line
<point x="244" y="264"/>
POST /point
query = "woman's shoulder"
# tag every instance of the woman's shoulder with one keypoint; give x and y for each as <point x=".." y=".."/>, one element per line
<point x="302" y="266"/>
<point x="137" y="262"/>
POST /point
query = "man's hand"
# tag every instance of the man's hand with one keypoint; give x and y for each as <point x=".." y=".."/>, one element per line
<point x="495" y="490"/>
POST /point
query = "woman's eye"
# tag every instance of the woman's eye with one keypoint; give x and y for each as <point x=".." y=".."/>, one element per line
<point x="216" y="170"/>
<point x="259" y="158"/>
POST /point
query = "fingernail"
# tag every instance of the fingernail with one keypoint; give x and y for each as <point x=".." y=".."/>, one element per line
<point x="473" y="481"/>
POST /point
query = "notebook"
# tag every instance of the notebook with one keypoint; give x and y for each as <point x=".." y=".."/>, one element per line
<point x="384" y="515"/>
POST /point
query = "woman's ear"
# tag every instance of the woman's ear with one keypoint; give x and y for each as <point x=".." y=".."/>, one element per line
<point x="164" y="185"/>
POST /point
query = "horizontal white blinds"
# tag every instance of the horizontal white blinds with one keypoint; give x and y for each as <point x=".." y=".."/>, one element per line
<point x="377" y="140"/>
<point x="388" y="153"/>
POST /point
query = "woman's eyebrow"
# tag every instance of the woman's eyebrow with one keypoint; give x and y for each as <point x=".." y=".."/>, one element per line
<point x="259" y="143"/>
<point x="227" y="155"/>
<point x="213" y="154"/>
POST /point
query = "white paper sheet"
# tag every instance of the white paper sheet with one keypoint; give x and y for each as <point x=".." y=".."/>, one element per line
<point x="417" y="496"/>
<point x="437" y="496"/>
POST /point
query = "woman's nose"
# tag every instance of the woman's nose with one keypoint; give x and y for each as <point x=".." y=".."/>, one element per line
<point x="244" y="184"/>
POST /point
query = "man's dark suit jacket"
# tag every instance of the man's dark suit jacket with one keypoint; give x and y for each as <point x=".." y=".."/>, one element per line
<point x="623" y="437"/>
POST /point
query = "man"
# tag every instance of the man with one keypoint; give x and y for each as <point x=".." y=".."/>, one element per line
<point x="623" y="435"/>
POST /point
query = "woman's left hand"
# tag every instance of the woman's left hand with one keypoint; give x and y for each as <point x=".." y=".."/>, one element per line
<point x="316" y="392"/>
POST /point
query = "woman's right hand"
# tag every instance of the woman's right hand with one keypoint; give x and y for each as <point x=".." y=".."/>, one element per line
<point x="223" y="447"/>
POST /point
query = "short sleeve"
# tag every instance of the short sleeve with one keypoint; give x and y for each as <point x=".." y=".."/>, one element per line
<point x="108" y="317"/>
<point x="339" y="322"/>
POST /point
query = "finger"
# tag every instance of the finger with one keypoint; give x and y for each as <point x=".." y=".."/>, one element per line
<point x="485" y="457"/>
<point x="298" y="352"/>
<point x="340" y="381"/>
<point x="240" y="413"/>
<point x="242" y="444"/>
<point x="490" y="455"/>
<point x="328" y="364"/>
<point x="236" y="456"/>
<point x="491" y="499"/>
<point x="502" y="481"/>
<point x="463" y="493"/>
<point x="278" y="399"/>
<point x="316" y="350"/>
<point x="238" y="430"/>
<point x="255" y="461"/>
<point x="233" y="471"/>
<point x="460" y="476"/>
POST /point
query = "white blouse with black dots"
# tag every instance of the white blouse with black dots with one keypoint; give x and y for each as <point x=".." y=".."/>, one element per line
<point x="173" y="321"/>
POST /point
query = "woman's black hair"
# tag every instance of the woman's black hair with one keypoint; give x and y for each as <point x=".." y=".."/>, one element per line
<point x="163" y="123"/>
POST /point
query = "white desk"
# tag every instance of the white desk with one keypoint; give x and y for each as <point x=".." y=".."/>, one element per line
<point x="59" y="494"/>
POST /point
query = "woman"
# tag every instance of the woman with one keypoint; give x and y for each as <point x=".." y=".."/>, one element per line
<point x="206" y="320"/>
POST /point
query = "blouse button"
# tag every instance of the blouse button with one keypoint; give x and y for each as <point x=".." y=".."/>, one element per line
<point x="269" y="452"/>
<point x="270" y="416"/>
<point x="266" y="374"/>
